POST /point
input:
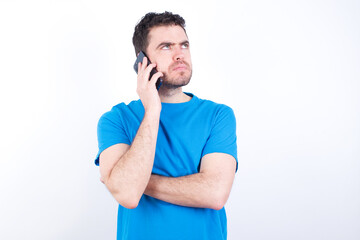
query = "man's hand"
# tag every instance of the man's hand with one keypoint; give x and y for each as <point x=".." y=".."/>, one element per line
<point x="147" y="89"/>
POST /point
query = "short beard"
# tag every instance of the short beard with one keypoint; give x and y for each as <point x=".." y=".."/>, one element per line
<point x="180" y="81"/>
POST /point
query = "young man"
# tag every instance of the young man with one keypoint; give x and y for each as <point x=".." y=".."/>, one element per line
<point x="169" y="158"/>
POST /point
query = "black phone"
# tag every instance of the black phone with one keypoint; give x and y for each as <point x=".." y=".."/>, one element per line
<point x="140" y="58"/>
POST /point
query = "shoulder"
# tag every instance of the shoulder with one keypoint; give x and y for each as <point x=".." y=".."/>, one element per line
<point x="214" y="107"/>
<point x="120" y="110"/>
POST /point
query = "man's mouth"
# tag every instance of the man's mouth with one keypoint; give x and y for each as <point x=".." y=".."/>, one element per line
<point x="180" y="67"/>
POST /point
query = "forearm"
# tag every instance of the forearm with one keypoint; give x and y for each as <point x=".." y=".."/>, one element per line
<point x="199" y="190"/>
<point x="129" y="177"/>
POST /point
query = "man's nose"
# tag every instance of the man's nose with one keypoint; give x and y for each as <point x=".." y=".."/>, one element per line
<point x="178" y="54"/>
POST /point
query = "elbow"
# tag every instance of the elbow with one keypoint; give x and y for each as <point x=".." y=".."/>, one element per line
<point x="128" y="202"/>
<point x="218" y="201"/>
<point x="125" y="197"/>
<point x="217" y="205"/>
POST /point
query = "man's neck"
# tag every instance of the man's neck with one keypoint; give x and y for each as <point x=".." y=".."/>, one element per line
<point x="173" y="95"/>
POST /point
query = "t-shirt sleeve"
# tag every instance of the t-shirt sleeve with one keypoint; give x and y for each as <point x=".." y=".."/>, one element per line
<point x="222" y="137"/>
<point x="110" y="131"/>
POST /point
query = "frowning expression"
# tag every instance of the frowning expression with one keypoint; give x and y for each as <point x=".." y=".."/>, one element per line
<point x="169" y="49"/>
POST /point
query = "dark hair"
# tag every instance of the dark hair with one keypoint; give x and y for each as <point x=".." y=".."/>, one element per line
<point x="150" y="20"/>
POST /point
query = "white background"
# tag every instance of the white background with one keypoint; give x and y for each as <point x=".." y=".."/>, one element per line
<point x="289" y="69"/>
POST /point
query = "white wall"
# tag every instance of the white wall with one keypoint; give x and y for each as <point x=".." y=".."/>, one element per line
<point x="289" y="69"/>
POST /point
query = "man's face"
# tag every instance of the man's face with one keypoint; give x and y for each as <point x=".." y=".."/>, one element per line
<point x="169" y="49"/>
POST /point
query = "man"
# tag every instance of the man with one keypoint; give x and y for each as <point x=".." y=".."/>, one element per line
<point x="169" y="159"/>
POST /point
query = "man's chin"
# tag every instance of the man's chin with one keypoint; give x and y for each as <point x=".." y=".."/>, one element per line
<point x="176" y="83"/>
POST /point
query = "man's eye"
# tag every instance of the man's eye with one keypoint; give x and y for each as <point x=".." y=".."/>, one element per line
<point x="185" y="45"/>
<point x="165" y="47"/>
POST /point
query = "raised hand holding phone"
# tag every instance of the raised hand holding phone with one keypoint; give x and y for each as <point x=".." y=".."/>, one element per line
<point x="140" y="58"/>
<point x="146" y="81"/>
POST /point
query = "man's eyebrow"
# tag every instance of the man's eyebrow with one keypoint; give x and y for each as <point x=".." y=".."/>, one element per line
<point x="171" y="43"/>
<point x="185" y="42"/>
<point x="164" y="43"/>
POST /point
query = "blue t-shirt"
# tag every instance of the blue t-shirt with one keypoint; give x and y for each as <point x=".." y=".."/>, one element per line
<point x="187" y="132"/>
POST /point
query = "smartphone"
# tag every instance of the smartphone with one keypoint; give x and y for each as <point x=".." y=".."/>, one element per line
<point x="140" y="58"/>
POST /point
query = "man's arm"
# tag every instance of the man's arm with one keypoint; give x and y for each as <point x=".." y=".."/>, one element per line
<point x="210" y="188"/>
<point x="124" y="169"/>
